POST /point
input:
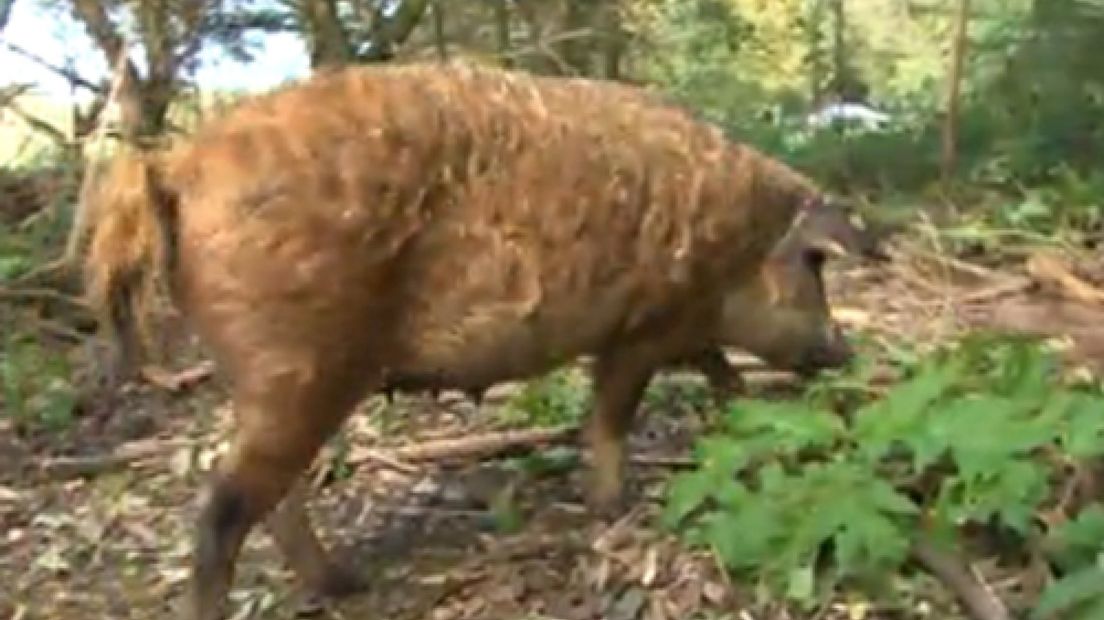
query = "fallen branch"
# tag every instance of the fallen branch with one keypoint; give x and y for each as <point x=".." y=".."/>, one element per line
<point x="382" y="458"/>
<point x="26" y="295"/>
<point x="483" y="445"/>
<point x="980" y="602"/>
<point x="1049" y="268"/>
<point x="68" y="467"/>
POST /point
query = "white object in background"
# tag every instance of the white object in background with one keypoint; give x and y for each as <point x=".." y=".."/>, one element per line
<point x="848" y="113"/>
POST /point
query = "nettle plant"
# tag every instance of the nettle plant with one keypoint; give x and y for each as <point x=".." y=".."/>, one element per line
<point x="976" y="437"/>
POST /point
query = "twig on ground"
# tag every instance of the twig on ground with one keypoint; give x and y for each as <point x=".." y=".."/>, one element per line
<point x="980" y="602"/>
<point x="959" y="265"/>
<point x="1013" y="285"/>
<point x="382" y="458"/>
<point x="59" y="330"/>
<point x="67" y="467"/>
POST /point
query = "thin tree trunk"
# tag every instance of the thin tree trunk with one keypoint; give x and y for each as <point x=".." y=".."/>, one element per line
<point x="839" y="49"/>
<point x="439" y="30"/>
<point x="954" y="88"/>
<point x="391" y="32"/>
<point x="576" y="50"/>
<point x="816" y="59"/>
<point x="614" y="41"/>
<point x="502" y="32"/>
<point x="5" y="12"/>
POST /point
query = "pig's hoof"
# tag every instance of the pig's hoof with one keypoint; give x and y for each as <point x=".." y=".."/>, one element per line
<point x="341" y="581"/>
<point x="608" y="506"/>
<point x="338" y="583"/>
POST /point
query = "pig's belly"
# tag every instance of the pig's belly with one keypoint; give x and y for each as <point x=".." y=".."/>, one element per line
<point x="492" y="345"/>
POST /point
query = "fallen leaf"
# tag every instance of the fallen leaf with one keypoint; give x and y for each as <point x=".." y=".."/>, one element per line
<point x="857" y="610"/>
<point x="628" y="605"/>
<point x="9" y="495"/>
<point x="714" y="592"/>
<point x="651" y="567"/>
<point x="175" y="382"/>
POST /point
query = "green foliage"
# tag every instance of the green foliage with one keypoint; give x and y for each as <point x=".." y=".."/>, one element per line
<point x="792" y="493"/>
<point x="559" y="397"/>
<point x="35" y="385"/>
<point x="1032" y="108"/>
<point x="1078" y="550"/>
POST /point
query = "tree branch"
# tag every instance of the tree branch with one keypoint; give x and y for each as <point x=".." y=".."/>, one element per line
<point x="128" y="91"/>
<point x="975" y="596"/>
<point x="388" y="33"/>
<point x="68" y="74"/>
<point x="38" y="124"/>
<point x="12" y="92"/>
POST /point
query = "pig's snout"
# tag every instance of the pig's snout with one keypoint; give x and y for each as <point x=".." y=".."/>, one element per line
<point x="832" y="351"/>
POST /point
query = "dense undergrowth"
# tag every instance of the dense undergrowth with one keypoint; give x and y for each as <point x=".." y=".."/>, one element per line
<point x="839" y="485"/>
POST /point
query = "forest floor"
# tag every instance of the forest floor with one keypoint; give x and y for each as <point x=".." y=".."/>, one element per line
<point x="96" y="519"/>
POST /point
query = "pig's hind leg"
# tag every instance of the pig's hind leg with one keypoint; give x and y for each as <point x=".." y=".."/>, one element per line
<point x="282" y="421"/>
<point x="620" y="378"/>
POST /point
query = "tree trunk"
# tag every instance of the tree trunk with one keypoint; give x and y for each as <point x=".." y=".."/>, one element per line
<point x="954" y="88"/>
<point x="329" y="45"/>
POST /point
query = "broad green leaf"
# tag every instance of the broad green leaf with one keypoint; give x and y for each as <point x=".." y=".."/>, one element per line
<point x="1082" y="588"/>
<point x="787" y="427"/>
<point x="1083" y="435"/>
<point x="1081" y="540"/>
<point x="802" y="583"/>
<point x="686" y="492"/>
<point x="900" y="414"/>
<point x="747" y="537"/>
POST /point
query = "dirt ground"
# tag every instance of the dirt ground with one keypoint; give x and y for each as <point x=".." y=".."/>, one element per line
<point x="113" y="543"/>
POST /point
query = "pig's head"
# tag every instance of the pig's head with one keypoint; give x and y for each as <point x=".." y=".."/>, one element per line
<point x="783" y="315"/>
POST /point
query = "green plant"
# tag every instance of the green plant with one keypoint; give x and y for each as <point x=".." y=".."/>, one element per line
<point x="666" y="394"/>
<point x="35" y="382"/>
<point x="802" y="498"/>
<point x="559" y="397"/>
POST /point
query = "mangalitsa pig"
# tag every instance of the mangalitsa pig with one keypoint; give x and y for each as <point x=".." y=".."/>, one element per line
<point x="466" y="224"/>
